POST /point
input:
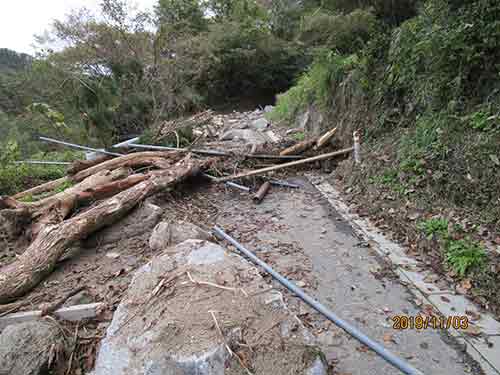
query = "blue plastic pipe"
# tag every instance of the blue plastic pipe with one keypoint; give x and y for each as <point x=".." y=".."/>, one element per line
<point x="394" y="360"/>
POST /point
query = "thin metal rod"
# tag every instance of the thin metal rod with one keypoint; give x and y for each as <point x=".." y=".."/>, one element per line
<point x="238" y="186"/>
<point x="284" y="184"/>
<point x="79" y="147"/>
<point x="43" y="162"/>
<point x="215" y="152"/>
<point x="231" y="184"/>
<point x="397" y="362"/>
<point x="126" y="143"/>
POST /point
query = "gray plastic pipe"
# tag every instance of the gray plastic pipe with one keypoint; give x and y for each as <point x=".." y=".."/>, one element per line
<point x="50" y="140"/>
<point x="394" y="360"/>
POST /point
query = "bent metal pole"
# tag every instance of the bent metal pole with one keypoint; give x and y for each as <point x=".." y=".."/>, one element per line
<point x="397" y="362"/>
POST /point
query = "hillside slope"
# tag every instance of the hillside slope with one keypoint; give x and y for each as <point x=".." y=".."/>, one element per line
<point x="426" y="97"/>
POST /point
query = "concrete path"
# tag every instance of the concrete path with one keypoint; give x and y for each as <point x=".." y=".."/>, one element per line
<point x="337" y="267"/>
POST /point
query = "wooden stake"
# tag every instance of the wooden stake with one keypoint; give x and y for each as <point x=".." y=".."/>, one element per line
<point x="357" y="146"/>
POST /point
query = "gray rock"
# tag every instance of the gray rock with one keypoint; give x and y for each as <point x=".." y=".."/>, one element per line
<point x="25" y="347"/>
<point x="260" y="124"/>
<point x="165" y="323"/>
<point x="245" y="135"/>
<point x="268" y="108"/>
<point x="167" y="234"/>
<point x="141" y="220"/>
<point x="303" y="120"/>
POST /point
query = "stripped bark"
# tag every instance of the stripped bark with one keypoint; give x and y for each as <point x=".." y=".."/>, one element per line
<point x="40" y="258"/>
<point x="299" y="148"/>
<point x="325" y="138"/>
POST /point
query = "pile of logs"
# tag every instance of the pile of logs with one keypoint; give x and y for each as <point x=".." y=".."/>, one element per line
<point x="101" y="192"/>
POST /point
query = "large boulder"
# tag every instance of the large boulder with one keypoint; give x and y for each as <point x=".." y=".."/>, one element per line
<point x="143" y="219"/>
<point x="186" y="311"/>
<point x="25" y="348"/>
<point x="168" y="234"/>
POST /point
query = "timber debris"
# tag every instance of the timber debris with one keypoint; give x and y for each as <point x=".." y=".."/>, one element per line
<point x="56" y="219"/>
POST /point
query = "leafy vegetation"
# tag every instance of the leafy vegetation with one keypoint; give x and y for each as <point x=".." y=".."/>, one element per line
<point x="463" y="255"/>
<point x="434" y="226"/>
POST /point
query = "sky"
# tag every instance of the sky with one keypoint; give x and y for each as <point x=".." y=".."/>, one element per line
<point x="21" y="19"/>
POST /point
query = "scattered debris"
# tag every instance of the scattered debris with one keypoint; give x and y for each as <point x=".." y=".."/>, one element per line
<point x="287" y="165"/>
<point x="72" y="314"/>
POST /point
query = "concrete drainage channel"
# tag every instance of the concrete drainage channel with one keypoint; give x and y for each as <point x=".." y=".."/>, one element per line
<point x="484" y="346"/>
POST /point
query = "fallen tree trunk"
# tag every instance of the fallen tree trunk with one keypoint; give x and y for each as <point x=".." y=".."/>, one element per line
<point x="286" y="165"/>
<point x="56" y="208"/>
<point x="80" y="165"/>
<point x="40" y="258"/>
<point x="99" y="178"/>
<point x="159" y="159"/>
<point x="51" y="185"/>
<point x="108" y="190"/>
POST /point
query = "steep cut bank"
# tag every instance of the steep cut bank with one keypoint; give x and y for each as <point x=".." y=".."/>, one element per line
<point x="425" y="95"/>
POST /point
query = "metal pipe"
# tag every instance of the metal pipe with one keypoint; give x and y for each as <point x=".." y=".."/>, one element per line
<point x="214" y="152"/>
<point x="78" y="146"/>
<point x="43" y="162"/>
<point x="238" y="186"/>
<point x="284" y="184"/>
<point x="231" y="184"/>
<point x="261" y="193"/>
<point x="397" y="362"/>
<point x="126" y="143"/>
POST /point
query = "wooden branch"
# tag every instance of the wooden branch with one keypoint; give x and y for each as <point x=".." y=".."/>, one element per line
<point x="80" y="165"/>
<point x="53" y="306"/>
<point x="8" y="202"/>
<point x="72" y="313"/>
<point x="299" y="148"/>
<point x="48" y="186"/>
<point x="41" y="256"/>
<point x="325" y="138"/>
<point x="286" y="165"/>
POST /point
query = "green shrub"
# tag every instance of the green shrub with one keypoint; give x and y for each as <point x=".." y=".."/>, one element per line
<point x="317" y="85"/>
<point x="465" y="256"/>
<point x="342" y="33"/>
<point x="17" y="177"/>
<point x="235" y="59"/>
<point x="438" y="226"/>
<point x="446" y="54"/>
